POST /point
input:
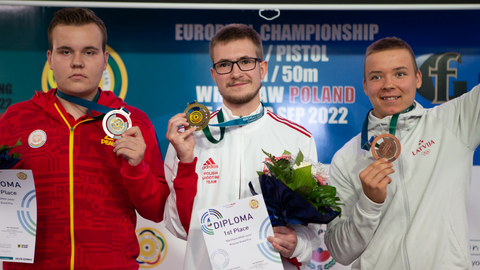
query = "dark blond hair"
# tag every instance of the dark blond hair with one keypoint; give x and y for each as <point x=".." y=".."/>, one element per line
<point x="76" y="17"/>
<point x="233" y="32"/>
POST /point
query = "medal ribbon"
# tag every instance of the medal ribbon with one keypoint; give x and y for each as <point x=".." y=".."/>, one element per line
<point x="90" y="105"/>
<point x="234" y="122"/>
<point x="239" y="121"/>
<point x="367" y="144"/>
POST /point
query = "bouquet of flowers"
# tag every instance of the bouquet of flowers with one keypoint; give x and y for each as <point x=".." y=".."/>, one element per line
<point x="8" y="159"/>
<point x="296" y="191"/>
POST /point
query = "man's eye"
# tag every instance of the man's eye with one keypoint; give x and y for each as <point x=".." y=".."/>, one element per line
<point x="224" y="64"/>
<point x="246" y="61"/>
<point x="400" y="74"/>
<point x="65" y="52"/>
<point x="376" y="77"/>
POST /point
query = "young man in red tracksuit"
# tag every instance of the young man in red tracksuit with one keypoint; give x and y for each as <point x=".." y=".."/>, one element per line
<point x="88" y="185"/>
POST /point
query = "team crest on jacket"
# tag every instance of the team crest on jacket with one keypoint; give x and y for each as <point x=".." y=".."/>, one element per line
<point x="211" y="172"/>
<point x="37" y="138"/>
<point x="424" y="148"/>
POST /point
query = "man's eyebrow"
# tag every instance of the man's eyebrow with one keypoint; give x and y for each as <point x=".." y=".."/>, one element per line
<point x="374" y="72"/>
<point x="63" y="48"/>
<point x="229" y="60"/>
<point x="401" y="67"/>
<point x="70" y="48"/>
<point x="395" y="69"/>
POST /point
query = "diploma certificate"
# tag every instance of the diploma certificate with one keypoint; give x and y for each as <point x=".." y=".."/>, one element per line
<point x="18" y="216"/>
<point x="236" y="235"/>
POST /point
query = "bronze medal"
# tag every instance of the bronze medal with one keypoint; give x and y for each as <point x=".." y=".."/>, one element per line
<point x="198" y="115"/>
<point x="386" y="146"/>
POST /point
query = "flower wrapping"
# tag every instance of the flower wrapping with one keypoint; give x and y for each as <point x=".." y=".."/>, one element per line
<point x="9" y="159"/>
<point x="285" y="206"/>
<point x="296" y="191"/>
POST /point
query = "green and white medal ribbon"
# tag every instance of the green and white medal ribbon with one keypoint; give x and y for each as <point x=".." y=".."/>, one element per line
<point x="194" y="110"/>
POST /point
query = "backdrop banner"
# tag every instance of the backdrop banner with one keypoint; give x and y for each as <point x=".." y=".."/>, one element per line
<point x="159" y="62"/>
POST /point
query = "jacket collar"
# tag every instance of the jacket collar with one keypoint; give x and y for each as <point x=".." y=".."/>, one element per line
<point x="227" y="113"/>
<point x="405" y="120"/>
<point x="46" y="101"/>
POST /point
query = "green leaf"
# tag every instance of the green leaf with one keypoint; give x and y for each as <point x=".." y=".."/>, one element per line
<point x="18" y="142"/>
<point x="9" y="148"/>
<point x="15" y="155"/>
<point x="299" y="158"/>
<point x="302" y="177"/>
<point x="304" y="191"/>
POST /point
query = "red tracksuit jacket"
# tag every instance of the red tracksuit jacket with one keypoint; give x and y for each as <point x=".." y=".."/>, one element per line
<point x="86" y="194"/>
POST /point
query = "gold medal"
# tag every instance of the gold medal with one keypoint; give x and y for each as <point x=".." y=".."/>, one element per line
<point x="116" y="122"/>
<point x="197" y="115"/>
<point x="388" y="148"/>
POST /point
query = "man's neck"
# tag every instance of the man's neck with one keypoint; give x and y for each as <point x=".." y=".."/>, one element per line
<point x="242" y="110"/>
<point x="73" y="109"/>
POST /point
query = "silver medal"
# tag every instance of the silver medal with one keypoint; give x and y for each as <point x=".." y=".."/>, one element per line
<point x="116" y="122"/>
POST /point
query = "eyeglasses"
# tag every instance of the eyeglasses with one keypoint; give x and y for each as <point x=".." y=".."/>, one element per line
<point x="245" y="64"/>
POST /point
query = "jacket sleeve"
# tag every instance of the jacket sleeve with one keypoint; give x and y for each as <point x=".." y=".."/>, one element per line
<point x="347" y="237"/>
<point x="181" y="178"/>
<point x="462" y="117"/>
<point x="307" y="242"/>
<point x="145" y="182"/>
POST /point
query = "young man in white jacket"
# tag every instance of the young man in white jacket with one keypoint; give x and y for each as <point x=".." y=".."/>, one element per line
<point x="410" y="213"/>
<point x="224" y="170"/>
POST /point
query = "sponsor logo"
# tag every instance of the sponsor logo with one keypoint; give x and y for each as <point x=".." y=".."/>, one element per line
<point x="153" y="247"/>
<point x="253" y="204"/>
<point x="423" y="148"/>
<point x="206" y="222"/>
<point x="211" y="172"/>
<point x="22" y="176"/>
<point x="209" y="164"/>
<point x="37" y="138"/>
<point x="436" y="77"/>
<point x="107" y="140"/>
<point x="114" y="77"/>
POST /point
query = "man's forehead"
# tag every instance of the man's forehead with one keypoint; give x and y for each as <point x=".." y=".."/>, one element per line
<point x="88" y="27"/>
<point x="393" y="56"/>
<point x="70" y="36"/>
<point x="226" y="50"/>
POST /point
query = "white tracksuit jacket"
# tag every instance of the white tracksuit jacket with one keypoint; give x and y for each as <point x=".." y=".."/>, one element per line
<point x="224" y="171"/>
<point x="423" y="222"/>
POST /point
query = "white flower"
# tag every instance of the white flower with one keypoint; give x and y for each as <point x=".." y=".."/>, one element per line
<point x="302" y="164"/>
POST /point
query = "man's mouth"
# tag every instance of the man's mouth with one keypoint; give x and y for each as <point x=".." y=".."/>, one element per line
<point x="77" y="76"/>
<point x="389" y="98"/>
<point x="237" y="83"/>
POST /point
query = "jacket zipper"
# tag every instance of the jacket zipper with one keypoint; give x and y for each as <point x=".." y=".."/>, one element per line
<point x="70" y="169"/>
<point x="407" y="211"/>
